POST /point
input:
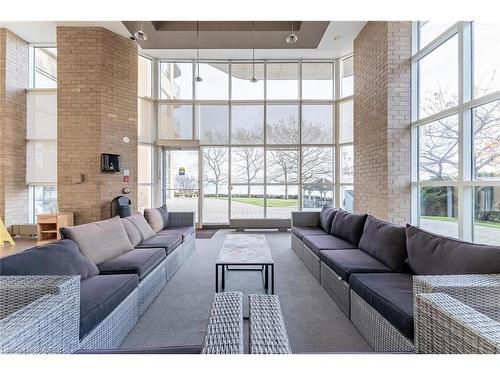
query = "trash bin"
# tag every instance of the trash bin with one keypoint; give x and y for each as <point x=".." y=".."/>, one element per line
<point x="121" y="206"/>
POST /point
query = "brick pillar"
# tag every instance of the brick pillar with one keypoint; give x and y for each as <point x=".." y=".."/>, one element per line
<point x="14" y="80"/>
<point x="97" y="107"/>
<point x="382" y="109"/>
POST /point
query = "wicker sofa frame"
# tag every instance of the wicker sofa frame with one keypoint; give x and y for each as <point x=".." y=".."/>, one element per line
<point x="452" y="313"/>
<point x="457" y="314"/>
<point x="45" y="306"/>
<point x="39" y="314"/>
<point x="336" y="287"/>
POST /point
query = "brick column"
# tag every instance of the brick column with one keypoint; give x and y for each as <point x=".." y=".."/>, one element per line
<point x="382" y="108"/>
<point x="14" y="80"/>
<point x="97" y="107"/>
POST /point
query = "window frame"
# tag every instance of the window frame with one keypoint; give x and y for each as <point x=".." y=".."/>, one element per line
<point x="335" y="122"/>
<point x="465" y="184"/>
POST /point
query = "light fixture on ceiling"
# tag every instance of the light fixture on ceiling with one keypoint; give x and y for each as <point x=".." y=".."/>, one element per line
<point x="198" y="78"/>
<point x="253" y="79"/>
<point x="140" y="34"/>
<point x="292" y="38"/>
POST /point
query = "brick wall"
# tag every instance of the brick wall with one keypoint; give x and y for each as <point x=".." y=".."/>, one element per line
<point x="97" y="107"/>
<point x="14" y="80"/>
<point x="382" y="73"/>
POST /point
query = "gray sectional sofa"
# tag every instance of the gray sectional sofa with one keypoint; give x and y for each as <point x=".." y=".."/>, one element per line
<point x="368" y="267"/>
<point x="123" y="264"/>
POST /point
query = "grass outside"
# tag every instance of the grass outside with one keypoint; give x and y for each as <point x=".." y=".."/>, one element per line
<point x="488" y="224"/>
<point x="270" y="202"/>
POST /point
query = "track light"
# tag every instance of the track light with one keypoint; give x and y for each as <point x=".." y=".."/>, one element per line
<point x="253" y="79"/>
<point x="140" y="34"/>
<point x="198" y="78"/>
<point x="292" y="38"/>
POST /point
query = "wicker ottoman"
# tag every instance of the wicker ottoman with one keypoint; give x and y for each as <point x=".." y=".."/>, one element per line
<point x="267" y="327"/>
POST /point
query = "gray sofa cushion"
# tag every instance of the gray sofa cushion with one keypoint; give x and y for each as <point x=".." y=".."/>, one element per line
<point x="348" y="226"/>
<point x="326" y="217"/>
<point x="391" y="294"/>
<point x="137" y="228"/>
<point x="167" y="242"/>
<point x="139" y="261"/>
<point x="431" y="254"/>
<point x="100" y="295"/>
<point x="384" y="241"/>
<point x="183" y="231"/>
<point x="326" y="242"/>
<point x="56" y="258"/>
<point x="346" y="262"/>
<point x="300" y="232"/>
<point x="101" y="240"/>
<point x="157" y="218"/>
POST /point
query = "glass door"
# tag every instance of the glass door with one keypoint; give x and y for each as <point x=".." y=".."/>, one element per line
<point x="181" y="190"/>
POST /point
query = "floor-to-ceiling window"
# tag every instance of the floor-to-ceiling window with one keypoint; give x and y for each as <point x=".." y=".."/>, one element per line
<point x="41" y="134"/>
<point x="456" y="129"/>
<point x="266" y="148"/>
<point x="146" y="134"/>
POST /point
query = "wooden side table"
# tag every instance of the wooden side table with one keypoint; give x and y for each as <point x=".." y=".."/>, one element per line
<point x="49" y="224"/>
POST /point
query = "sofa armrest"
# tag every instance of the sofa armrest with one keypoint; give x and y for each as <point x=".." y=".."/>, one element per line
<point x="446" y="325"/>
<point x="480" y="292"/>
<point x="305" y="218"/>
<point x="39" y="314"/>
<point x="180" y="219"/>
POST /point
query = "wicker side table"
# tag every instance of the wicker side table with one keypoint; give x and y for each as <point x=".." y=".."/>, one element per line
<point x="225" y="325"/>
<point x="39" y="314"/>
<point x="267" y="327"/>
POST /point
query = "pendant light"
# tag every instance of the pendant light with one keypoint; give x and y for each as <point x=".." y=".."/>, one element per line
<point x="292" y="38"/>
<point x="140" y="34"/>
<point x="253" y="79"/>
<point x="198" y="78"/>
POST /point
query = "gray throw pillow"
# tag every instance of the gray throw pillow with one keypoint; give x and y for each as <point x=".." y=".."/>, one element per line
<point x="348" y="226"/>
<point x="138" y="229"/>
<point x="326" y="217"/>
<point x="58" y="258"/>
<point x="431" y="254"/>
<point x="101" y="240"/>
<point x="385" y="242"/>
<point x="154" y="217"/>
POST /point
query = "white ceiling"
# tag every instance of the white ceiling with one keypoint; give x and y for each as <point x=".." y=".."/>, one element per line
<point x="336" y="42"/>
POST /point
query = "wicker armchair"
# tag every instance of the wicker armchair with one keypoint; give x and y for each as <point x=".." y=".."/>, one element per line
<point x="457" y="314"/>
<point x="39" y="314"/>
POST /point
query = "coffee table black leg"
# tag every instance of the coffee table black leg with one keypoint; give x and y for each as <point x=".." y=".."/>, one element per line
<point x="266" y="277"/>
<point x="223" y="277"/>
<point x="272" y="278"/>
<point x="216" y="278"/>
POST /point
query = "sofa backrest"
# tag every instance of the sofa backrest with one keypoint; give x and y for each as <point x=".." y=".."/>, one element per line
<point x="56" y="258"/>
<point x="101" y="240"/>
<point x="348" y="226"/>
<point x="431" y="254"/>
<point x="157" y="217"/>
<point x="326" y="217"/>
<point x="137" y="228"/>
<point x="385" y="242"/>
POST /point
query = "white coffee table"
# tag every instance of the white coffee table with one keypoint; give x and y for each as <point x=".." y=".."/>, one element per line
<point x="245" y="250"/>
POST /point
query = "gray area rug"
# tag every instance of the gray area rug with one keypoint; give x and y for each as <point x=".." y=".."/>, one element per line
<point x="179" y="314"/>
